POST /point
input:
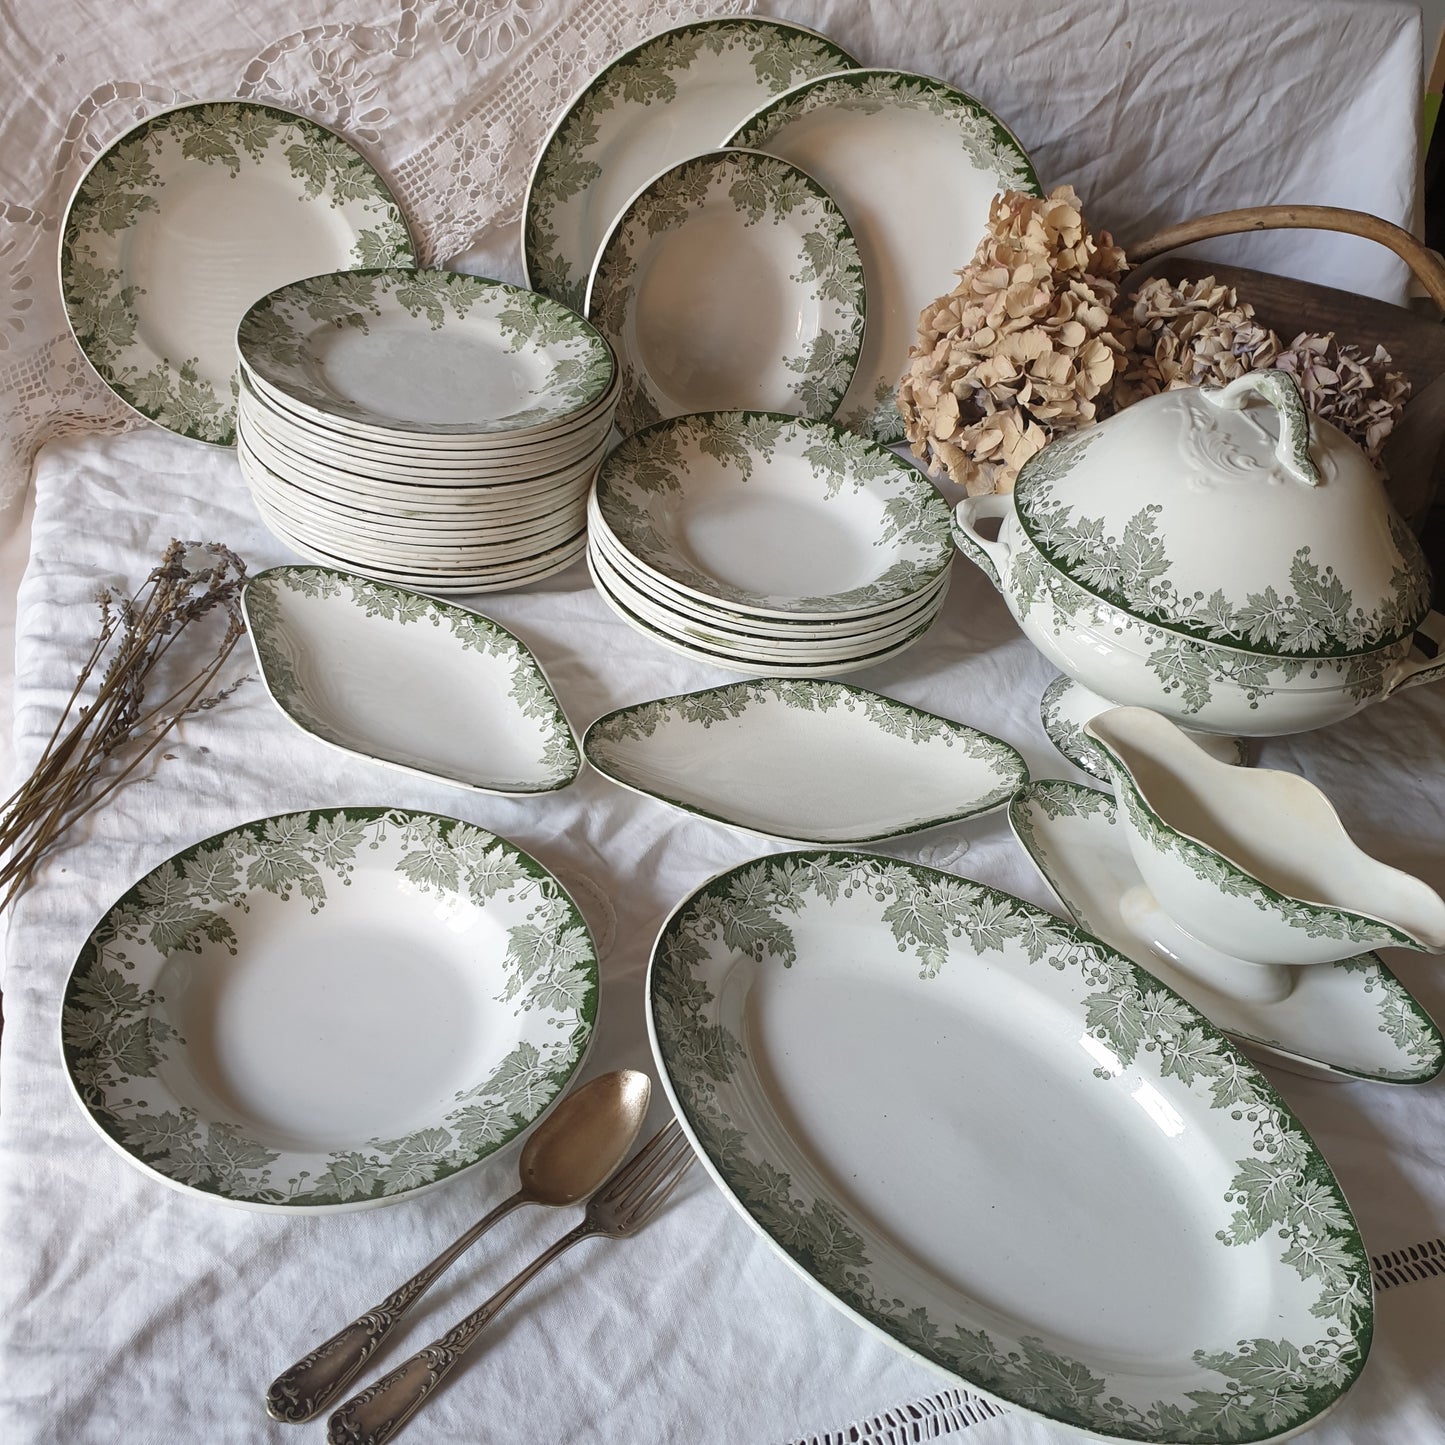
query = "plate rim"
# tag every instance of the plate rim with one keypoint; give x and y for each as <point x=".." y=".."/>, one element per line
<point x="63" y="230"/>
<point x="587" y="1015"/>
<point x="765" y="681"/>
<point x="850" y="62"/>
<point x="1365" y="1331"/>
<point x="721" y="154"/>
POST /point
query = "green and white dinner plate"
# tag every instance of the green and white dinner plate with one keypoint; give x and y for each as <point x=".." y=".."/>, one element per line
<point x="178" y="226"/>
<point x="914" y="165"/>
<point x="775" y="515"/>
<point x="1353" y="1018"/>
<point x="676" y="95"/>
<point x="730" y="281"/>
<point x="329" y="1010"/>
<point x="805" y="761"/>
<point x="424" y="353"/>
<point x="1007" y="1150"/>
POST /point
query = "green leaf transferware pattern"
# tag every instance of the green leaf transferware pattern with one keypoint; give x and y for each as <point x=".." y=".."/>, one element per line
<point x="981" y="142"/>
<point x="1282" y="1190"/>
<point x="605" y="744"/>
<point x="633" y="102"/>
<point x="644" y="479"/>
<point x="824" y="265"/>
<point x="129" y="182"/>
<point x="570" y="365"/>
<point x="557" y="758"/>
<point x="1396" y="1013"/>
<point x="127" y="1059"/>
<point x="1314" y="920"/>
<point x="1313" y="615"/>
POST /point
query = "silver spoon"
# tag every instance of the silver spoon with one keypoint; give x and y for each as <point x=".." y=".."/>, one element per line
<point x="569" y="1155"/>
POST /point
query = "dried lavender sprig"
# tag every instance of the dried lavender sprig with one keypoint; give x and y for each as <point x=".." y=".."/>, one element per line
<point x="143" y="628"/>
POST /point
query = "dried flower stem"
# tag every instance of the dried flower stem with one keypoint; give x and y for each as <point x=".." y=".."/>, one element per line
<point x="193" y="580"/>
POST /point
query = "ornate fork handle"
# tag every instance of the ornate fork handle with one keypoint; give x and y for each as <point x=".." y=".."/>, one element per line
<point x="379" y="1411"/>
<point x="312" y="1383"/>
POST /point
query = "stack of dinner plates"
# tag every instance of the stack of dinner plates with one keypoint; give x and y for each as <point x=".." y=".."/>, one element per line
<point x="428" y="428"/>
<point x="768" y="543"/>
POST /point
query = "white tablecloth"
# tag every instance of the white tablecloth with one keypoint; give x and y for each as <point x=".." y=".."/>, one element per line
<point x="130" y="1312"/>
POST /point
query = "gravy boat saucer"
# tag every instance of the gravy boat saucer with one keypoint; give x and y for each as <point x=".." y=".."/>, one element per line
<point x="1353" y="1017"/>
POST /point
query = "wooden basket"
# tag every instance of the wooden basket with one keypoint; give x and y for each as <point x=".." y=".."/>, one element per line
<point x="1415" y="450"/>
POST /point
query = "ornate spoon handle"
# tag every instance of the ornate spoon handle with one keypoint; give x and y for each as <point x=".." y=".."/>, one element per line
<point x="380" y="1410"/>
<point x="312" y="1383"/>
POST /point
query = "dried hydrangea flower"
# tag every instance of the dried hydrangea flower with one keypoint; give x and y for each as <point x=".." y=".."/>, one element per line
<point x="1345" y="385"/>
<point x="1020" y="349"/>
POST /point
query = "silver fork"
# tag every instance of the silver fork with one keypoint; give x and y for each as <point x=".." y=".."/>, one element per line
<point x="631" y="1197"/>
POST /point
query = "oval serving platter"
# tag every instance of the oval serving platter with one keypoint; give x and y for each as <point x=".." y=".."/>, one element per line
<point x="805" y="761"/>
<point x="329" y="1010"/>
<point x="400" y="678"/>
<point x="1056" y="1182"/>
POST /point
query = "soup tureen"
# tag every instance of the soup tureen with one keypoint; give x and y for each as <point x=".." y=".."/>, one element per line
<point x="1218" y="555"/>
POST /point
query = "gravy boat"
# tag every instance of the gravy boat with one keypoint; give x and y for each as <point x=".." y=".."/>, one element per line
<point x="1248" y="873"/>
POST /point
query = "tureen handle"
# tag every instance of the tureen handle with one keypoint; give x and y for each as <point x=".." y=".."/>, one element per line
<point x="990" y="555"/>
<point x="1279" y="390"/>
<point x="1412" y="672"/>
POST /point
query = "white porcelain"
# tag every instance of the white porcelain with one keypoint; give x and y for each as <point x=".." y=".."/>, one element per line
<point x="731" y="662"/>
<point x="774" y="515"/>
<point x="324" y="434"/>
<point x="407" y="681"/>
<point x="754" y="649"/>
<point x="1250" y="865"/>
<point x="677" y="94"/>
<point x="1217" y="555"/>
<point x="181" y="223"/>
<point x="914" y="165"/>
<point x="324" y="1011"/>
<point x="682" y="608"/>
<point x="1353" y="1018"/>
<point x="503" y="577"/>
<point x="1007" y="1150"/>
<point x="808" y="762"/>
<point x="425" y="353"/>
<point x="480" y="495"/>
<point x="730" y="280"/>
<point x="1067" y="705"/>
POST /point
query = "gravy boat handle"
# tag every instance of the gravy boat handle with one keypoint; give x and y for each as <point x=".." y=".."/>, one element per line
<point x="1411" y="673"/>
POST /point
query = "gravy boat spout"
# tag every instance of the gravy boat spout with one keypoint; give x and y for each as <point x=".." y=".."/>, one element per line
<point x="1249" y="867"/>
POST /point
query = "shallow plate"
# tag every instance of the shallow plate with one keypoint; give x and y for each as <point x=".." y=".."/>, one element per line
<point x="809" y="762"/>
<point x="184" y="221"/>
<point x="408" y="681"/>
<point x="754" y="650"/>
<point x="1354" y="1018"/>
<point x="328" y="1010"/>
<point x="732" y="663"/>
<point x="425" y="353"/>
<point x="661" y="593"/>
<point x="774" y="514"/>
<point x="505" y="577"/>
<point x="732" y="280"/>
<point x="1008" y="1150"/>
<point x="914" y="165"/>
<point x="675" y="95"/>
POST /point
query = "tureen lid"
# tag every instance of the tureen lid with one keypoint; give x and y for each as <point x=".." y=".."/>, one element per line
<point x="1231" y="516"/>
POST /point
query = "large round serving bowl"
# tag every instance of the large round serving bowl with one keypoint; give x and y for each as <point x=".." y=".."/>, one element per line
<point x="1219" y="556"/>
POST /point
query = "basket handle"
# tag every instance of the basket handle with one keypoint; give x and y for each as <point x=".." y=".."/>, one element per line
<point x="1428" y="268"/>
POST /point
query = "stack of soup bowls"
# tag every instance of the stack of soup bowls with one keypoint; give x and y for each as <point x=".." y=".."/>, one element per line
<point x="767" y="543"/>
<point x="428" y="428"/>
